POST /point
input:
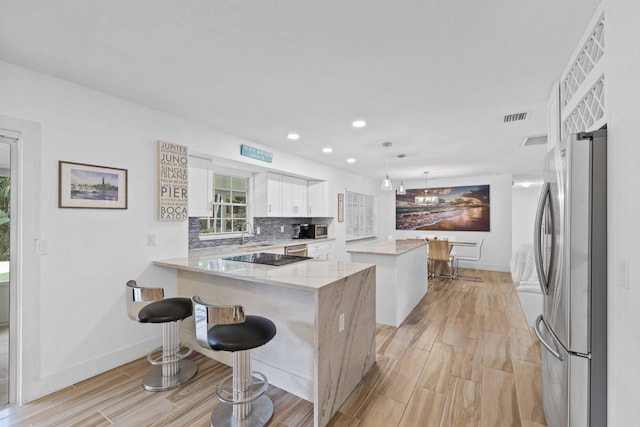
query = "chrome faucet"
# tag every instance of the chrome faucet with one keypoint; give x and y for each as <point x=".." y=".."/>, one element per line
<point x="248" y="228"/>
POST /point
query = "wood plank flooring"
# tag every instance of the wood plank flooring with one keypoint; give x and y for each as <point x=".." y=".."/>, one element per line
<point x="464" y="357"/>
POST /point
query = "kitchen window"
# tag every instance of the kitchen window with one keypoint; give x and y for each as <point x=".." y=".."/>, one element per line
<point x="360" y="216"/>
<point x="229" y="206"/>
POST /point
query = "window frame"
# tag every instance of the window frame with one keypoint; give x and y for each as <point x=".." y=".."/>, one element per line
<point x="364" y="215"/>
<point x="233" y="173"/>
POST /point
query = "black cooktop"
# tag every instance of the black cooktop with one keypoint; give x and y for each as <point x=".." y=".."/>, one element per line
<point x="267" y="259"/>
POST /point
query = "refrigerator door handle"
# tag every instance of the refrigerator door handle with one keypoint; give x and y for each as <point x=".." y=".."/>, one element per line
<point x="552" y="350"/>
<point x="537" y="235"/>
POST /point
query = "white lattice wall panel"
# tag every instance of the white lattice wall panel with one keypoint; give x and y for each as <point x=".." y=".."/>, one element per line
<point x="589" y="112"/>
<point x="591" y="52"/>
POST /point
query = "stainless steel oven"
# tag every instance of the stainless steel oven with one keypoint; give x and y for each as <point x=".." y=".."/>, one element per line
<point x="316" y="231"/>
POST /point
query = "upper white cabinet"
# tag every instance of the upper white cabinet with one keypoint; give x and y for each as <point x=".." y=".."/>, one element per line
<point x="199" y="189"/>
<point x="318" y="201"/>
<point x="268" y="195"/>
<point x="553" y="119"/>
<point x="294" y="196"/>
<point x="584" y="102"/>
<point x="286" y="196"/>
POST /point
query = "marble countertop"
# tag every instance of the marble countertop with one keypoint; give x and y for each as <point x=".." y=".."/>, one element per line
<point x="311" y="274"/>
<point x="390" y="247"/>
<point x="219" y="251"/>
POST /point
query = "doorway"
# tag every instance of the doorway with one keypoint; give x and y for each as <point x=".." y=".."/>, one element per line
<point x="5" y="266"/>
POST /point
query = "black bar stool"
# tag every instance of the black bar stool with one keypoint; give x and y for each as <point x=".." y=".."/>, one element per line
<point x="148" y="305"/>
<point x="226" y="328"/>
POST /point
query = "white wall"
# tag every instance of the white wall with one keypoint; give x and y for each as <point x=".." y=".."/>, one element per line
<point x="523" y="212"/>
<point x="623" y="77"/>
<point x="496" y="252"/>
<point x="74" y="315"/>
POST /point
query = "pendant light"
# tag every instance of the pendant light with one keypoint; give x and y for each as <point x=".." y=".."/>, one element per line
<point x="386" y="183"/>
<point x="401" y="190"/>
<point x="426" y="190"/>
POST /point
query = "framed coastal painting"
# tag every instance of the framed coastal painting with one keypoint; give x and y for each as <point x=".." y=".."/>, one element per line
<point x="465" y="208"/>
<point x="82" y="185"/>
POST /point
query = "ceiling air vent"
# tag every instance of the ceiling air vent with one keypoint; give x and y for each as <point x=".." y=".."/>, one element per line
<point x="534" y="140"/>
<point x="515" y="117"/>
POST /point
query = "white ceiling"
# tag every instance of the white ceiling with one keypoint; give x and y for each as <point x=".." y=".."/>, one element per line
<point x="433" y="77"/>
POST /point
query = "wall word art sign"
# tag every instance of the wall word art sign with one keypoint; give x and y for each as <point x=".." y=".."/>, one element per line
<point x="173" y="192"/>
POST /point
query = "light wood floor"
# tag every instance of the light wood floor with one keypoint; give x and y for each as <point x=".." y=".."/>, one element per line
<point x="464" y="357"/>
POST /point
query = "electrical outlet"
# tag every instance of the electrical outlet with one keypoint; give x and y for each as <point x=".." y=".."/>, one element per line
<point x="623" y="274"/>
<point x="257" y="230"/>
<point x="151" y="239"/>
<point x="282" y="228"/>
<point x="42" y="247"/>
<point x="341" y="323"/>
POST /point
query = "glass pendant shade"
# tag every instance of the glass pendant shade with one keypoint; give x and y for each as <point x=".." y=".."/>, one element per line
<point x="401" y="191"/>
<point x="386" y="184"/>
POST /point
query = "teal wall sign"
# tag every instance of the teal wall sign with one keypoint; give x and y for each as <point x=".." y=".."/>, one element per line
<point x="255" y="153"/>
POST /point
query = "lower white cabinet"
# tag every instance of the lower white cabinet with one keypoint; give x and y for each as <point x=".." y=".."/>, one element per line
<point x="321" y="250"/>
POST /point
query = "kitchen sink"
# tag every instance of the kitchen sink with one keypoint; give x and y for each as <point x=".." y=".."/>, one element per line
<point x="256" y="245"/>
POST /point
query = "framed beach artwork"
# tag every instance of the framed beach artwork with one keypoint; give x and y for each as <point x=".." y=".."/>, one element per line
<point x="465" y="208"/>
<point x="90" y="186"/>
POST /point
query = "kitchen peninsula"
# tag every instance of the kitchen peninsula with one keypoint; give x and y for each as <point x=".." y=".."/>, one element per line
<point x="324" y="313"/>
<point x="401" y="276"/>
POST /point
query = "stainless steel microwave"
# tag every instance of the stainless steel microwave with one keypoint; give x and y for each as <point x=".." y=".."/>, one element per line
<point x="316" y="231"/>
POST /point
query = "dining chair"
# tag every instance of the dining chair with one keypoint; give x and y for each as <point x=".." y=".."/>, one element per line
<point x="440" y="258"/>
<point x="473" y="258"/>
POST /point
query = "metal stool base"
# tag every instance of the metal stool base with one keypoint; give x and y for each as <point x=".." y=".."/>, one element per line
<point x="260" y="415"/>
<point x="155" y="381"/>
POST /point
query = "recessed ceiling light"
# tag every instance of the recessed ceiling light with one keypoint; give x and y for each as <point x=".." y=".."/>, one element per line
<point x="327" y="150"/>
<point x="351" y="160"/>
<point x="359" y="123"/>
<point x="293" y="136"/>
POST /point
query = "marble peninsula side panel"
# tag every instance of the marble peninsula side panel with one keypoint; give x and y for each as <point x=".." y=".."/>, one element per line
<point x="344" y="357"/>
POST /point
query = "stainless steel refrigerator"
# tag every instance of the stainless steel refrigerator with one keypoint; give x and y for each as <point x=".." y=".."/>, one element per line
<point x="571" y="258"/>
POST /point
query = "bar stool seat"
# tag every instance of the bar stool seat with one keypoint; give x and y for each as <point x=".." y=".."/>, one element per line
<point x="254" y="332"/>
<point x="166" y="310"/>
<point x="148" y="305"/>
<point x="227" y="328"/>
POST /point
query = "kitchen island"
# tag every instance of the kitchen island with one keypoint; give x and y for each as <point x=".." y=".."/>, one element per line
<point x="401" y="276"/>
<point x="324" y="313"/>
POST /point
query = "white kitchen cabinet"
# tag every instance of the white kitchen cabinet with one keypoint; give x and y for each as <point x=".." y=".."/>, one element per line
<point x="294" y="196"/>
<point x="321" y="250"/>
<point x="318" y="202"/>
<point x="553" y="117"/>
<point x="286" y="196"/>
<point x="268" y="195"/>
<point x="200" y="194"/>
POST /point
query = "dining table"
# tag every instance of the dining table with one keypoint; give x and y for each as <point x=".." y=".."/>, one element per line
<point x="453" y="274"/>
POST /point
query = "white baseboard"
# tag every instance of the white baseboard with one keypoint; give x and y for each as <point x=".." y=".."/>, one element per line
<point x="43" y="386"/>
<point x="489" y="267"/>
